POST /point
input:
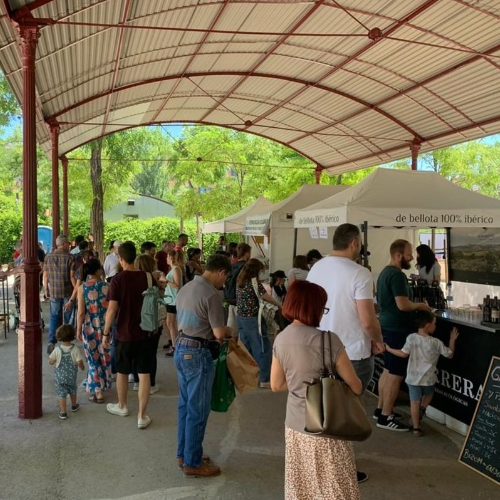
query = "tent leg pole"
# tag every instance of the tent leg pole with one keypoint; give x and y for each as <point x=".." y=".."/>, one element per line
<point x="295" y="232"/>
<point x="447" y="255"/>
<point x="365" y="243"/>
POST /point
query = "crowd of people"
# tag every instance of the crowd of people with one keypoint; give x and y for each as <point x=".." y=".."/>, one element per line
<point x="221" y="300"/>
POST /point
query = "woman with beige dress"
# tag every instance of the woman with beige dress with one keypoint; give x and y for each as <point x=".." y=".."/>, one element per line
<point x="316" y="467"/>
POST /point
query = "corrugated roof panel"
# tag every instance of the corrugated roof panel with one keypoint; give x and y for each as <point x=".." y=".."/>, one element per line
<point x="292" y="67"/>
<point x="72" y="67"/>
<point x="272" y="18"/>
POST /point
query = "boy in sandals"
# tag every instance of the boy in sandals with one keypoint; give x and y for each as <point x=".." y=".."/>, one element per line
<point x="424" y="351"/>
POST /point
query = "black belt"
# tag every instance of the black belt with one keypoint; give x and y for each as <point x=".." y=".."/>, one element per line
<point x="192" y="341"/>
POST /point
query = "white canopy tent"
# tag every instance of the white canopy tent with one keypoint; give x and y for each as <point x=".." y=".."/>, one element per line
<point x="235" y="223"/>
<point x="403" y="198"/>
<point x="400" y="202"/>
<point x="277" y="223"/>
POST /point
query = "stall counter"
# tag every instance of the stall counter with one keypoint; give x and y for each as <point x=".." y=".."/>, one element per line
<point x="460" y="379"/>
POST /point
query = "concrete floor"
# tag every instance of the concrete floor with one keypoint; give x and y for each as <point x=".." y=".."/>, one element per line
<point x="94" y="455"/>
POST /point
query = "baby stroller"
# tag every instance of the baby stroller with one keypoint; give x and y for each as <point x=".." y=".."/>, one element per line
<point x="17" y="302"/>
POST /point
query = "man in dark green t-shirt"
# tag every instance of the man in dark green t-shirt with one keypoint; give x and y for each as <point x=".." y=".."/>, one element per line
<point x="396" y="318"/>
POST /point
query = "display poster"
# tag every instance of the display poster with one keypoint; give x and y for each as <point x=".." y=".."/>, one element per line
<point x="475" y="255"/>
<point x="481" y="450"/>
<point x="313" y="232"/>
<point x="323" y="232"/>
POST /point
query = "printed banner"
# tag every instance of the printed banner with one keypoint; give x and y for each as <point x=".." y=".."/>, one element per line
<point x="256" y="225"/>
<point x="332" y="217"/>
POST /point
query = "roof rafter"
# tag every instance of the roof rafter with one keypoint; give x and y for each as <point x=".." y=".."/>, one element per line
<point x="429" y="139"/>
<point x="305" y="83"/>
<point x="119" y="48"/>
<point x="192" y="58"/>
<point x="268" y="53"/>
<point x="353" y="57"/>
<point x="403" y="92"/>
<point x="211" y="124"/>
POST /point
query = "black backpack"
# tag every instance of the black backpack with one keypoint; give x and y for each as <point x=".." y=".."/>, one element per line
<point x="230" y="286"/>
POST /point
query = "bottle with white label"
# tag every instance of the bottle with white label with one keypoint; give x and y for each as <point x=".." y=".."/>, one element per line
<point x="495" y="311"/>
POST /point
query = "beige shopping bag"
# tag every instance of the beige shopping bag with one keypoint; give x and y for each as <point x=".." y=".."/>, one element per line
<point x="242" y="367"/>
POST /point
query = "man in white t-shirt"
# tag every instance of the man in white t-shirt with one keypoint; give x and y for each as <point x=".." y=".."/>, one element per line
<point x="351" y="311"/>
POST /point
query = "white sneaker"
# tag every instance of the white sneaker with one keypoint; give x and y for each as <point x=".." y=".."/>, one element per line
<point x="142" y="423"/>
<point x="115" y="409"/>
<point x="136" y="387"/>
<point x="130" y="378"/>
<point x="154" y="389"/>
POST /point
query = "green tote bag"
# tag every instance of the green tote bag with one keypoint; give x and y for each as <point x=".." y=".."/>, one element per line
<point x="223" y="392"/>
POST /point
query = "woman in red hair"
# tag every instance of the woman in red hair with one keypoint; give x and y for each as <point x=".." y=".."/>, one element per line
<point x="315" y="466"/>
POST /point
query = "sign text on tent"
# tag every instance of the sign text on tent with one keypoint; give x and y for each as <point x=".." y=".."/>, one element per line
<point x="443" y="219"/>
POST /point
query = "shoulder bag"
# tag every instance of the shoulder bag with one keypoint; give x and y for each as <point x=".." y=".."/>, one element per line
<point x="267" y="312"/>
<point x="332" y="409"/>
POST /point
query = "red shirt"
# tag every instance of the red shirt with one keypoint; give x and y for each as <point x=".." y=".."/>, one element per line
<point x="126" y="288"/>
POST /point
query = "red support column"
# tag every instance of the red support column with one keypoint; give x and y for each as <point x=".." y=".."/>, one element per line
<point x="414" y="148"/>
<point x="56" y="216"/>
<point x="64" y="162"/>
<point x="30" y="334"/>
<point x="317" y="174"/>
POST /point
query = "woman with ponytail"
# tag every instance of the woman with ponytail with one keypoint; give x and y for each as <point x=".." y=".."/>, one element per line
<point x="92" y="306"/>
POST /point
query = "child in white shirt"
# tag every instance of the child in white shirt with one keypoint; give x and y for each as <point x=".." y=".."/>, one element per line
<point x="67" y="358"/>
<point x="424" y="351"/>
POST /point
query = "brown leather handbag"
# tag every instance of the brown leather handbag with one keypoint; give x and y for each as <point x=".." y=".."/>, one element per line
<point x="332" y="409"/>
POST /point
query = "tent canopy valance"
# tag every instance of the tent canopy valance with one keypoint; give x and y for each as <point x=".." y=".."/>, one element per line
<point x="282" y="214"/>
<point x="235" y="223"/>
<point x="403" y="198"/>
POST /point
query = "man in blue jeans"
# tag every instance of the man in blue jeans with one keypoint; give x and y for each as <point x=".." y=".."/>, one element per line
<point x="201" y="322"/>
<point x="59" y="281"/>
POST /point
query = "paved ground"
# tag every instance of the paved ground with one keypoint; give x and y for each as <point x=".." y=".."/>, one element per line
<point x="94" y="455"/>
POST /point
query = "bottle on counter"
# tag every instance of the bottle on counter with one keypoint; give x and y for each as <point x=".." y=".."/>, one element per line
<point x="495" y="311"/>
<point x="487" y="310"/>
<point x="449" y="295"/>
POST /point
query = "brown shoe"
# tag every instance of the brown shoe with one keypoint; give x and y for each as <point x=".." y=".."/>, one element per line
<point x="206" y="470"/>
<point x="204" y="458"/>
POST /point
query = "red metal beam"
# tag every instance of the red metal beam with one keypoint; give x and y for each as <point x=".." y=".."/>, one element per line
<point x="36" y="4"/>
<point x="64" y="161"/>
<point x="56" y="217"/>
<point x="117" y="63"/>
<point x="429" y="139"/>
<point x="30" y="333"/>
<point x="305" y="83"/>
<point x="265" y="56"/>
<point x="407" y="90"/>
<point x="298" y="151"/>
<point x="191" y="59"/>
<point x="353" y="57"/>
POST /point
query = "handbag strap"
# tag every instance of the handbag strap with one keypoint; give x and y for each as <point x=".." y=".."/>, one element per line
<point x="330" y="371"/>
<point x="255" y="286"/>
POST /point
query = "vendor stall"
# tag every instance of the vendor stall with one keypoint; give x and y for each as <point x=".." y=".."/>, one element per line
<point x="236" y="223"/>
<point x="277" y="224"/>
<point x="413" y="200"/>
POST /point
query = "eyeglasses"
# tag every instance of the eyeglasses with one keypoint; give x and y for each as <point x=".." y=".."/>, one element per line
<point x="326" y="310"/>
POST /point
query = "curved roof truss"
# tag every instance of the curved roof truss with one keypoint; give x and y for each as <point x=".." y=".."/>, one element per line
<point x="347" y="84"/>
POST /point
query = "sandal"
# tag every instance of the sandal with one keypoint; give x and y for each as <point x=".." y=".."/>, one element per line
<point x="95" y="399"/>
<point x="170" y="352"/>
<point x="417" y="432"/>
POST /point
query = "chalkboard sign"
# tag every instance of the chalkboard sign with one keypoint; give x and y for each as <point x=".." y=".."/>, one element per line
<point x="481" y="451"/>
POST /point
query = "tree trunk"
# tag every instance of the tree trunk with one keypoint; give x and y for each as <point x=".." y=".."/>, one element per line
<point x="97" y="214"/>
<point x="198" y="229"/>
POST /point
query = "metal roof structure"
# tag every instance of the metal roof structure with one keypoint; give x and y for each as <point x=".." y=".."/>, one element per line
<point x="348" y="83"/>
